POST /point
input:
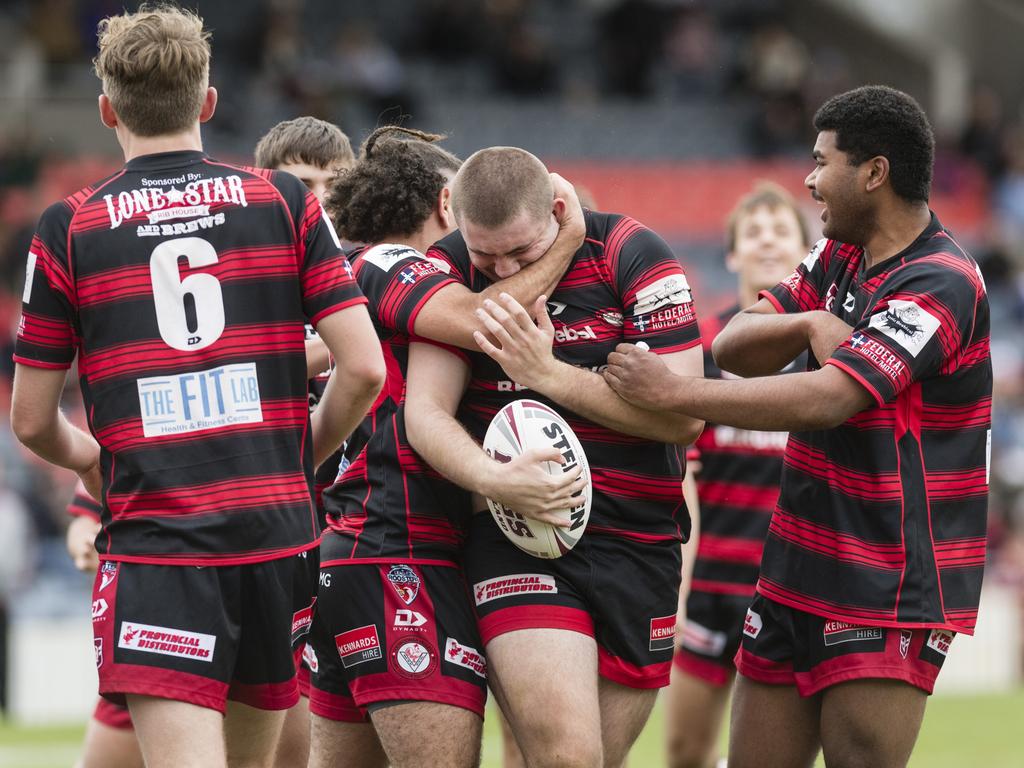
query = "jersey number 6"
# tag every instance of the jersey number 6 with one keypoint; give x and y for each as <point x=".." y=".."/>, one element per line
<point x="189" y="312"/>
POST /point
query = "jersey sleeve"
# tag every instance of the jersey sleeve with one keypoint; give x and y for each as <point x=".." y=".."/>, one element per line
<point x="920" y="324"/>
<point x="803" y="290"/>
<point x="398" y="281"/>
<point x="83" y="505"/>
<point x="46" y="333"/>
<point x="328" y="284"/>
<point x="656" y="298"/>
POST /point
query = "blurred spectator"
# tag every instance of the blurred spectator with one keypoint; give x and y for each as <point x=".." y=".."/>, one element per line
<point x="522" y="64"/>
<point x="692" y="53"/>
<point x="982" y="137"/>
<point x="632" y="34"/>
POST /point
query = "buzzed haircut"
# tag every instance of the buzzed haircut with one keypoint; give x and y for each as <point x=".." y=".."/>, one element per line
<point x="876" y="120"/>
<point x="305" y="140"/>
<point x="765" y="194"/>
<point x="393" y="188"/>
<point x="155" y="68"/>
<point x="494" y="185"/>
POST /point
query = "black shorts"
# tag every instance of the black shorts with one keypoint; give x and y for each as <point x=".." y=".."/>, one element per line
<point x="394" y="631"/>
<point x="198" y="635"/>
<point x="307" y="572"/>
<point x="786" y="646"/>
<point x="621" y="592"/>
<point x="711" y="636"/>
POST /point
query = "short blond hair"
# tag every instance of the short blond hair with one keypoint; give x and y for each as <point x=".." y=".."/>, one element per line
<point x="765" y="194"/>
<point x="495" y="184"/>
<point x="305" y="140"/>
<point x="155" y="68"/>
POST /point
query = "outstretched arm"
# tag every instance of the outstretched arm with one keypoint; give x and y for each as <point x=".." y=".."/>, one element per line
<point x="524" y="351"/>
<point x="437" y="379"/>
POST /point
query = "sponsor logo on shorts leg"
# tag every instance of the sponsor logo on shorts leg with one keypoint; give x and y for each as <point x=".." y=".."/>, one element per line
<point x="309" y="656"/>
<point x="465" y="656"/>
<point x="406" y="617"/>
<point x="358" y="645"/>
<point x="97" y="645"/>
<point x="702" y="640"/>
<point x="752" y="624"/>
<point x="513" y="584"/>
<point x="405" y="581"/>
<point x="836" y="632"/>
<point x="108" y="572"/>
<point x="302" y="620"/>
<point x="412" y="657"/>
<point x="939" y="641"/>
<point x="905" y="636"/>
<point x="663" y="633"/>
<point x="99" y="609"/>
<point x="166" y="641"/>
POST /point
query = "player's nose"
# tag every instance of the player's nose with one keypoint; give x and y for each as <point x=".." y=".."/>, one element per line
<point x="506" y="266"/>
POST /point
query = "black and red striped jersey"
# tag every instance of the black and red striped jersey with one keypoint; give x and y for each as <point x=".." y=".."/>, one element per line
<point x="83" y="505"/>
<point x="388" y="503"/>
<point x="882" y="520"/>
<point x="623" y="285"/>
<point x="738" y="487"/>
<point x="183" y="285"/>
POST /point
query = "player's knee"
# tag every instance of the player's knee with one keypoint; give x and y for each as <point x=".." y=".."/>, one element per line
<point x="692" y="750"/>
<point x="573" y="754"/>
<point x="856" y="748"/>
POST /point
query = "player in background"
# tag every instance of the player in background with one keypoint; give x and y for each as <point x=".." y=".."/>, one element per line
<point x="398" y="675"/>
<point x="314" y="151"/>
<point x="876" y="549"/>
<point x="737" y="475"/>
<point x="109" y="737"/>
<point x="603" y="615"/>
<point x="182" y="285"/>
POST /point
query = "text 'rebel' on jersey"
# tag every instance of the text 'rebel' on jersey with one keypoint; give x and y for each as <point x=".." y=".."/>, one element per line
<point x="183" y="285"/>
<point x="738" y="487"/>
<point x="882" y="520"/>
<point x="624" y="285"/>
<point x="388" y="503"/>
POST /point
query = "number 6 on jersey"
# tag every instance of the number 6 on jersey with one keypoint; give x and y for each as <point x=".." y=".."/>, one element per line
<point x="171" y="294"/>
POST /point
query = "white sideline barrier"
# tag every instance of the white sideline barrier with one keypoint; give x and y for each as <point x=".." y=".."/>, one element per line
<point x="53" y="672"/>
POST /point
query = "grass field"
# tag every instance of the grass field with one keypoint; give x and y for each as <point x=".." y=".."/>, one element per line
<point x="958" y="732"/>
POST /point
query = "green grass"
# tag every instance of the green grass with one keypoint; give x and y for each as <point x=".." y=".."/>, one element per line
<point x="959" y="731"/>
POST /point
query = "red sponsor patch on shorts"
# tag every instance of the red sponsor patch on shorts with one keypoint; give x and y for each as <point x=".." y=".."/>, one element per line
<point x="663" y="633"/>
<point x="358" y="645"/>
<point x="301" y="621"/>
<point x="939" y="640"/>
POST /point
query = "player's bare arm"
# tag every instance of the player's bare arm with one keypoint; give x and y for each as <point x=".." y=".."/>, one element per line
<point x="449" y="315"/>
<point x="38" y="423"/>
<point x="820" y="399"/>
<point x="690" y="545"/>
<point x="437" y="380"/>
<point x="357" y="378"/>
<point x="80" y="542"/>
<point x="523" y="348"/>
<point x="318" y="357"/>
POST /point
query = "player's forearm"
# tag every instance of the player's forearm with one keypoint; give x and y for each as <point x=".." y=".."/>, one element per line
<point x="444" y="444"/>
<point x="347" y="398"/>
<point x="788" y="402"/>
<point x="756" y="344"/>
<point x="318" y="357"/>
<point x="58" y="441"/>
<point x="587" y="394"/>
<point x="690" y="547"/>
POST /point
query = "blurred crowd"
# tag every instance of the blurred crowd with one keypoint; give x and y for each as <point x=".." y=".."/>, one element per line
<point x="290" y="57"/>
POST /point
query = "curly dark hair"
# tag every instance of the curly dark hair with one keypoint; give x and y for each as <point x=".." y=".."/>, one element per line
<point x="875" y="120"/>
<point x="393" y="187"/>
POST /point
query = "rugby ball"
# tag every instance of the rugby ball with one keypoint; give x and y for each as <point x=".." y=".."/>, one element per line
<point x="516" y="428"/>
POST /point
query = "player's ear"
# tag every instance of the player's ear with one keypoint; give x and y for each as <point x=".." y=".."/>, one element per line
<point x="878" y="173"/>
<point x="209" y="105"/>
<point x="107" y="114"/>
<point x="732" y="263"/>
<point x="444" y="208"/>
<point x="558" y="208"/>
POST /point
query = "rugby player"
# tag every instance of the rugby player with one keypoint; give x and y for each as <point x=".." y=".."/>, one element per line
<point x="182" y="284"/>
<point x="314" y="151"/>
<point x="577" y="647"/>
<point x="738" y="485"/>
<point x="875" y="552"/>
<point x="398" y="673"/>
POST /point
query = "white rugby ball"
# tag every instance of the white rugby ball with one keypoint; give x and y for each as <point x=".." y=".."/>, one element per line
<point x="519" y="426"/>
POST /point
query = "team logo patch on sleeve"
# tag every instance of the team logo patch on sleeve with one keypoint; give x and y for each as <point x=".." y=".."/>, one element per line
<point x="385" y="257"/>
<point x="907" y="324"/>
<point x="668" y="290"/>
<point x="358" y="645"/>
<point x="405" y="581"/>
<point x="512" y="585"/>
<point x="663" y="633"/>
<point x="464" y="656"/>
<point x="836" y="632"/>
<point x="167" y="641"/>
